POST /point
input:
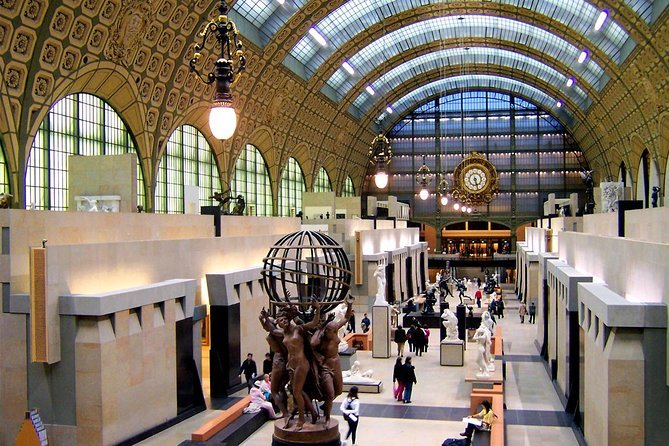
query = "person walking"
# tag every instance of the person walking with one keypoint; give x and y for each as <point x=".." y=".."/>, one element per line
<point x="398" y="377"/>
<point x="409" y="375"/>
<point x="426" y="329"/>
<point x="350" y="327"/>
<point x="267" y="364"/>
<point x="400" y="339"/>
<point x="500" y="307"/>
<point x="350" y="408"/>
<point x="419" y="341"/>
<point x="522" y="311"/>
<point x="533" y="312"/>
<point x="478" y="296"/>
<point x="249" y="370"/>
<point x="411" y="338"/>
<point x="365" y="323"/>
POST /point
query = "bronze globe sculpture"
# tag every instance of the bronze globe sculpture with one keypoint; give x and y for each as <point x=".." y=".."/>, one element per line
<point x="305" y="265"/>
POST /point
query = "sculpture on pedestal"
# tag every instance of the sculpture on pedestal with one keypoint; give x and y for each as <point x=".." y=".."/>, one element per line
<point x="481" y="337"/>
<point x="430" y="300"/>
<point x="654" y="196"/>
<point x="450" y="322"/>
<point x="380" y="275"/>
<point x="356" y="375"/>
<point x="487" y="323"/>
<point x="341" y="316"/>
<point x="303" y="291"/>
<point x="589" y="181"/>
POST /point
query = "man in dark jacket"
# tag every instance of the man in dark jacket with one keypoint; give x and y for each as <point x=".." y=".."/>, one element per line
<point x="249" y="370"/>
<point x="409" y="376"/>
<point x="400" y="338"/>
<point x="267" y="364"/>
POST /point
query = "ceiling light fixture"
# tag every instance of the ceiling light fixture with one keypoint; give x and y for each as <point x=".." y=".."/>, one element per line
<point x="423" y="177"/>
<point x="601" y="19"/>
<point x="380" y="154"/>
<point x="389" y="110"/>
<point x="318" y="37"/>
<point x="559" y="104"/>
<point x="570" y="82"/>
<point x="347" y="66"/>
<point x="222" y="116"/>
<point x="582" y="56"/>
<point x="370" y="90"/>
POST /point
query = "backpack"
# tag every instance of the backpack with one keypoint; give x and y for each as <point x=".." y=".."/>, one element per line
<point x="455" y="442"/>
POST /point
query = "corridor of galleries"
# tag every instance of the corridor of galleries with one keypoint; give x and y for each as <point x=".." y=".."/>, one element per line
<point x="534" y="414"/>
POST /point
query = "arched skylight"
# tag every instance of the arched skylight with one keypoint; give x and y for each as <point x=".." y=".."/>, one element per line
<point x="476" y="55"/>
<point x="474" y="82"/>
<point x="433" y="30"/>
<point x="353" y="17"/>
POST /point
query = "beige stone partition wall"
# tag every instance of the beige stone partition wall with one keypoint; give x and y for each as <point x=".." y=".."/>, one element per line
<point x="651" y="225"/>
<point x="93" y="253"/>
<point x="601" y="224"/>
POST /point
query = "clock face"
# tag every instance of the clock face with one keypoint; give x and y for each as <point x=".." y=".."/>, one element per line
<point x="475" y="179"/>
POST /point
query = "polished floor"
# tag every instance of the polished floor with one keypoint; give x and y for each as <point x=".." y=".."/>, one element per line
<point x="534" y="414"/>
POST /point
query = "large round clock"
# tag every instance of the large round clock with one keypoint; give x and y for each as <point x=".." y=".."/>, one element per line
<point x="475" y="180"/>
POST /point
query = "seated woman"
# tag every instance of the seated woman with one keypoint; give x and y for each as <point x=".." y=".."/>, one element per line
<point x="486" y="415"/>
<point x="259" y="402"/>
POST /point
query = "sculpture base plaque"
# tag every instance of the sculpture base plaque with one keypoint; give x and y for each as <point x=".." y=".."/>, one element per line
<point x="309" y="434"/>
<point x="452" y="353"/>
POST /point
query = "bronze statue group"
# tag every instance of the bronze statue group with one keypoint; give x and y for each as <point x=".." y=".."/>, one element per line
<point x="306" y="360"/>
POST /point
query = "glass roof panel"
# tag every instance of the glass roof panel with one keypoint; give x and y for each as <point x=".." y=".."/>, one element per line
<point x="477" y="81"/>
<point x="644" y="8"/>
<point x="267" y="15"/>
<point x="421" y="33"/>
<point x="354" y="16"/>
<point x="458" y="56"/>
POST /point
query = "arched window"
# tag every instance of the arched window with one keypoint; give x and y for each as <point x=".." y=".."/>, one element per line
<point x="349" y="189"/>
<point x="78" y="124"/>
<point x="4" y="171"/>
<point x="251" y="179"/>
<point x="292" y="186"/>
<point x="643" y="179"/>
<point x="622" y="174"/>
<point x="187" y="161"/>
<point x="322" y="183"/>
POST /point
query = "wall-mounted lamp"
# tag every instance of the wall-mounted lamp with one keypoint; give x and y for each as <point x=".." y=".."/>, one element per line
<point x="222" y="117"/>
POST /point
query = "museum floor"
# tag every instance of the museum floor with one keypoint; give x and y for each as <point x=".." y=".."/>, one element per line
<point x="534" y="415"/>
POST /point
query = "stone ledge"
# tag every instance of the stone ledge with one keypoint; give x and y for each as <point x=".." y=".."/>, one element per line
<point x="613" y="310"/>
<point x="124" y="299"/>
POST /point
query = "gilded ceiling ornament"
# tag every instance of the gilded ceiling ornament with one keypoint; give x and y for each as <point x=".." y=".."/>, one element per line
<point x="128" y="30"/>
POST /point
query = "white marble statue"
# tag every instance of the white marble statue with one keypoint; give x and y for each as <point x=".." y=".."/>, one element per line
<point x="380" y="275"/>
<point x="487" y="323"/>
<point x="340" y="314"/>
<point x="356" y="375"/>
<point x="450" y="322"/>
<point x="481" y="337"/>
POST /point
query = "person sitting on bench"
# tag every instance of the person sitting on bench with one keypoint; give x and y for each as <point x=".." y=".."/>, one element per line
<point x="486" y="416"/>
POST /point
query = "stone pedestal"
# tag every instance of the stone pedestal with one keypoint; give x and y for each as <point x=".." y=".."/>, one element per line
<point x="309" y="434"/>
<point x="452" y="353"/>
<point x="381" y="331"/>
<point x="347" y="358"/>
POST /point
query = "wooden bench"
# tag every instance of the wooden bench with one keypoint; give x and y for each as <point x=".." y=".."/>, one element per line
<point x="227" y="416"/>
<point x="497" y="346"/>
<point x="361" y="341"/>
<point x="495" y="437"/>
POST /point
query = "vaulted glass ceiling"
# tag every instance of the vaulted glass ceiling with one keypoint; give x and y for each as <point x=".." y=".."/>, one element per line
<point x="458" y="56"/>
<point x="268" y="16"/>
<point x="433" y="30"/>
<point x="353" y="17"/>
<point x="474" y="82"/>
